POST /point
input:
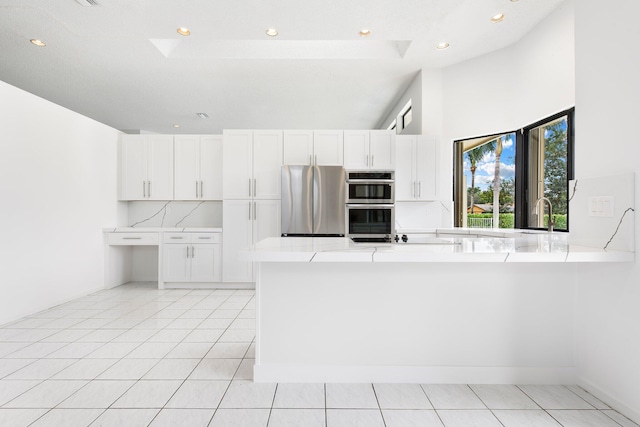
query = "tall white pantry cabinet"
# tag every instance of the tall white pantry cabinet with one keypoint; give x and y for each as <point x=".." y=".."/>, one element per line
<point x="252" y="161"/>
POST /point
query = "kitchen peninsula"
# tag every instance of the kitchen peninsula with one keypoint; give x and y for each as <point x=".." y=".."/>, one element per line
<point x="330" y="310"/>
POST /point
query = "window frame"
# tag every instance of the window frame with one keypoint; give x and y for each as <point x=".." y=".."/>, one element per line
<point x="521" y="204"/>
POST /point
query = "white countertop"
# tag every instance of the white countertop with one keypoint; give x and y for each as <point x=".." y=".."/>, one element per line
<point x="161" y="229"/>
<point x="441" y="245"/>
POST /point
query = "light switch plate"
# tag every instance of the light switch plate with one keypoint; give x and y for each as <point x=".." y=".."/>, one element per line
<point x="601" y="206"/>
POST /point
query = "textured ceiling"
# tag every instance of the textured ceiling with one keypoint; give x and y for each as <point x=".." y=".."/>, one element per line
<point x="123" y="63"/>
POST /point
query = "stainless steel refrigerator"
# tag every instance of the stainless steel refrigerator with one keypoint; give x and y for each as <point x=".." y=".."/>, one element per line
<point x="313" y="201"/>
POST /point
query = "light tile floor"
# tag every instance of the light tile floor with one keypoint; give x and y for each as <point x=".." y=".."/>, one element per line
<point x="138" y="356"/>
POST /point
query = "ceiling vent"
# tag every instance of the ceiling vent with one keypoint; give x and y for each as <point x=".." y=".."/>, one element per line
<point x="89" y="3"/>
<point x="203" y="115"/>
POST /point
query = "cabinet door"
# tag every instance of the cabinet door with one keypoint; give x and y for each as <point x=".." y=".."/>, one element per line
<point x="328" y="148"/>
<point x="426" y="167"/>
<point x="406" y="186"/>
<point x="160" y="167"/>
<point x="382" y="150"/>
<point x="133" y="168"/>
<point x="266" y="219"/>
<point x="298" y="147"/>
<point x="237" y="168"/>
<point x="237" y="218"/>
<point x="356" y="149"/>
<point x="186" y="180"/>
<point x="267" y="163"/>
<point x="211" y="167"/>
<point x="205" y="263"/>
<point x="175" y="263"/>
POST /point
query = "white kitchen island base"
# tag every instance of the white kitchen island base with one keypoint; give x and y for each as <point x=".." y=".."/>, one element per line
<point x="415" y="322"/>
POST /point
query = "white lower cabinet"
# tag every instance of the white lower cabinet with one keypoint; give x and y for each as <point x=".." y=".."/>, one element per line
<point x="245" y="223"/>
<point x="191" y="257"/>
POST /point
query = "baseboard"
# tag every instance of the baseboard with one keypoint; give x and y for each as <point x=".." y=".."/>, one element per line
<point x="5" y="322"/>
<point x="211" y="285"/>
<point x="632" y="413"/>
<point x="413" y="374"/>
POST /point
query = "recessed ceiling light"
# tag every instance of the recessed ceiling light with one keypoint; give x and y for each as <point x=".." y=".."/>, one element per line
<point x="513" y="1"/>
<point x="37" y="42"/>
<point x="442" y="45"/>
<point x="203" y="115"/>
<point x="176" y="125"/>
<point x="365" y="32"/>
<point x="271" y="32"/>
<point x="183" y="31"/>
<point x="497" y="18"/>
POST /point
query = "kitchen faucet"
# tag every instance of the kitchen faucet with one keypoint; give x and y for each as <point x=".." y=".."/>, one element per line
<point x="550" y="223"/>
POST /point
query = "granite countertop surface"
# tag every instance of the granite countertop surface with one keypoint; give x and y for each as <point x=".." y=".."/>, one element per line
<point x="438" y="245"/>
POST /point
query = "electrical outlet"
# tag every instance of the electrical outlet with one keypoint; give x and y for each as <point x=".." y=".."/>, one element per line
<point x="601" y="206"/>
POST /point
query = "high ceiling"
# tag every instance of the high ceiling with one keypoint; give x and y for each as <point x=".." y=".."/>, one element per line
<point x="123" y="63"/>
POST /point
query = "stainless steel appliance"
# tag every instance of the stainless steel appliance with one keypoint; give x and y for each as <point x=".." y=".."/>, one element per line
<point x="370" y="187"/>
<point x="370" y="211"/>
<point x="313" y="201"/>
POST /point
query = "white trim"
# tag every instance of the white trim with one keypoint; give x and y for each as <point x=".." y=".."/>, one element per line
<point x="209" y="285"/>
<point x="609" y="399"/>
<point x="265" y="373"/>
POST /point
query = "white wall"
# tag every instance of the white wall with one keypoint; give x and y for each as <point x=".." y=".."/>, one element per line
<point x="511" y="88"/>
<point x="607" y="88"/>
<point x="58" y="189"/>
<point x="414" y="94"/>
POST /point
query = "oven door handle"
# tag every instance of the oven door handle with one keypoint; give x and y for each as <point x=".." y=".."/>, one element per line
<point x="370" y="181"/>
<point x="369" y="205"/>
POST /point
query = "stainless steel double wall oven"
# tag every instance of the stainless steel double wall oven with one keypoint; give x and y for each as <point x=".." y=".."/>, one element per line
<point x="370" y="214"/>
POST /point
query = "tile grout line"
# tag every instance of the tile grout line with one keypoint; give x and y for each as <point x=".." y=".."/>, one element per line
<point x="378" y="402"/>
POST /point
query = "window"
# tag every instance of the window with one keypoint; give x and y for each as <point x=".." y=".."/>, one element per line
<point x="406" y="118"/>
<point x="534" y="162"/>
<point x="392" y="126"/>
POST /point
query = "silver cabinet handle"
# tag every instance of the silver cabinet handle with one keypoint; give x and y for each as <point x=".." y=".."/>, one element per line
<point x="310" y="160"/>
<point x="372" y="160"/>
<point x="131" y="238"/>
<point x="201" y="189"/>
<point x="196" y="189"/>
<point x="255" y="213"/>
<point x="249" y="187"/>
<point x="366" y="160"/>
<point x="193" y="251"/>
<point x="419" y="188"/>
<point x="254" y="187"/>
<point x="144" y="190"/>
<point x="187" y="251"/>
<point x="149" y="188"/>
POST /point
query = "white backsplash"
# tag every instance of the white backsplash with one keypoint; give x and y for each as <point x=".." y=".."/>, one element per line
<point x="420" y="215"/>
<point x="602" y="212"/>
<point x="175" y="214"/>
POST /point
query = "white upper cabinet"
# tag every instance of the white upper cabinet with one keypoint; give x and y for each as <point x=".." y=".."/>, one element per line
<point x="267" y="163"/>
<point x="237" y="166"/>
<point x="146" y="167"/>
<point x="298" y="147"/>
<point x="369" y="149"/>
<point x="323" y="148"/>
<point x="328" y="148"/>
<point x="251" y="164"/>
<point x="198" y="167"/>
<point x="415" y="168"/>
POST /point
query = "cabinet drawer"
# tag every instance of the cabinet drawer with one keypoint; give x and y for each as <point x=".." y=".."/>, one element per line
<point x="133" y="239"/>
<point x="205" y="238"/>
<point x="180" y="237"/>
<point x="176" y="237"/>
